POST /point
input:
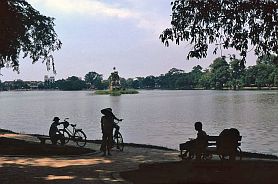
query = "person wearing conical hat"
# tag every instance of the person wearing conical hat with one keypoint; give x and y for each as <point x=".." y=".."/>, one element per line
<point x="107" y="126"/>
<point x="54" y="133"/>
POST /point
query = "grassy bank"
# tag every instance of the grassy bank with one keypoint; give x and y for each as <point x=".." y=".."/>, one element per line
<point x="116" y="92"/>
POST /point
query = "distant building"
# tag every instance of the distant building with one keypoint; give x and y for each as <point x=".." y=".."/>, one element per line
<point x="49" y="79"/>
<point x="52" y="79"/>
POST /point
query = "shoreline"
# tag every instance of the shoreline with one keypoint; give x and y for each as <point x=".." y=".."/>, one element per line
<point x="245" y="154"/>
<point x="138" y="163"/>
<point x="147" y="89"/>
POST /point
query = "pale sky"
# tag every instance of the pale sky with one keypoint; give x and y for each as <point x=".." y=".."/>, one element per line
<point x="98" y="35"/>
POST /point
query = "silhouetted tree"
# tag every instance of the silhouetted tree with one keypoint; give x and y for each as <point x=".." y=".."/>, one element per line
<point x="237" y="72"/>
<point x="268" y="59"/>
<point x="220" y="72"/>
<point x="206" y="80"/>
<point x="129" y="83"/>
<point x="1" y="86"/>
<point x="264" y="75"/>
<point x="149" y="82"/>
<point x="137" y="83"/>
<point x="236" y="24"/>
<point x="71" y="83"/>
<point x="94" y="79"/>
<point x="183" y="81"/>
<point x="20" y="84"/>
<point x="23" y="30"/>
<point x="196" y="75"/>
<point x="271" y="62"/>
<point x="250" y="76"/>
<point x="123" y="83"/>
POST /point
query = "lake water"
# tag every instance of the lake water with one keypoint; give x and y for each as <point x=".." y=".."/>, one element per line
<point x="155" y="117"/>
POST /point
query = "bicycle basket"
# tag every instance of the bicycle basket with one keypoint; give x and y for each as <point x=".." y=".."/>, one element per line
<point x="66" y="124"/>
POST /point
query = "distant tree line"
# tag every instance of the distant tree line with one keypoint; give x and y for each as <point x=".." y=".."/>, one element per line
<point x="223" y="73"/>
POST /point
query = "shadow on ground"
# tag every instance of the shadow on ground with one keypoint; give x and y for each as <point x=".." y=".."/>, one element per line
<point x="206" y="172"/>
<point x="20" y="147"/>
<point x="48" y="172"/>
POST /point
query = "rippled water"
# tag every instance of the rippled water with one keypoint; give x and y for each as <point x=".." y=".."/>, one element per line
<point x="152" y="117"/>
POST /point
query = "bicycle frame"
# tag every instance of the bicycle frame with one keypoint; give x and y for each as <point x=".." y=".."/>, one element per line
<point x="117" y="137"/>
<point x="117" y="129"/>
<point x="69" y="131"/>
<point x="74" y="134"/>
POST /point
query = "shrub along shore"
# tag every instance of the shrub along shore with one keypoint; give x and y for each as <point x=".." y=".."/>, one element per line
<point x="116" y="92"/>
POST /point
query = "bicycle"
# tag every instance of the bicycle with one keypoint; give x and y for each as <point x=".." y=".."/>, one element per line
<point x="118" y="141"/>
<point x="77" y="135"/>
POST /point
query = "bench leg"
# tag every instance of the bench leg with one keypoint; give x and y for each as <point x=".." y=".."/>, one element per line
<point x="239" y="152"/>
<point x="42" y="141"/>
<point x="187" y="155"/>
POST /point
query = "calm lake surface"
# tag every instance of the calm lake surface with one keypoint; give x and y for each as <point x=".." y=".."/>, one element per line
<point x="155" y="117"/>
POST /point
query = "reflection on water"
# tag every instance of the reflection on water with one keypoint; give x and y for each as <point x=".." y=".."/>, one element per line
<point x="152" y="117"/>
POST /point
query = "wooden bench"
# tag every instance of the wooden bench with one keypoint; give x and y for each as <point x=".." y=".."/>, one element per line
<point x="43" y="138"/>
<point x="213" y="148"/>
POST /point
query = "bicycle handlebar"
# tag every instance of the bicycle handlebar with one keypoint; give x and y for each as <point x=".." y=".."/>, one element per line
<point x="118" y="121"/>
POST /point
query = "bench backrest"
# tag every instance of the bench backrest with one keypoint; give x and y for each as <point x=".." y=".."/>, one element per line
<point x="213" y="139"/>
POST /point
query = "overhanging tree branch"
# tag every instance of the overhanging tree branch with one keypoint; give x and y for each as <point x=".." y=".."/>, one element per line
<point x="236" y="23"/>
<point x="23" y="30"/>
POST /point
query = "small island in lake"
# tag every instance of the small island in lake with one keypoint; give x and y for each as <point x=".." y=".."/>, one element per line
<point x="115" y="88"/>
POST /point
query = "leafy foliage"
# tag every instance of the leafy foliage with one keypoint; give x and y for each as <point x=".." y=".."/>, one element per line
<point x="71" y="83"/>
<point x="94" y="79"/>
<point x="116" y="92"/>
<point x="220" y="71"/>
<point x="23" y="30"/>
<point x="223" y="73"/>
<point x="236" y="24"/>
<point x="237" y="71"/>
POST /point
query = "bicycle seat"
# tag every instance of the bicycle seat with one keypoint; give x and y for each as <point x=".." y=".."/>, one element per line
<point x="73" y="125"/>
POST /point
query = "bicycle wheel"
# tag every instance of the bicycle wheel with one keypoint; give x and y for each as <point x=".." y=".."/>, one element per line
<point x="119" y="142"/>
<point x="66" y="135"/>
<point x="187" y="155"/>
<point x="80" y="138"/>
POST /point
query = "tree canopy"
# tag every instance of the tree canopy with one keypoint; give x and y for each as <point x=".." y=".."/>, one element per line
<point x="23" y="30"/>
<point x="238" y="24"/>
<point x="94" y="79"/>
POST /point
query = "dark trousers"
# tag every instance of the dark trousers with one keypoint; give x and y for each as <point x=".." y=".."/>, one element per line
<point x="106" y="144"/>
<point x="194" y="147"/>
<point x="54" y="139"/>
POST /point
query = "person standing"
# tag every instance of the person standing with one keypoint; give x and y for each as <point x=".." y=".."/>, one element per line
<point x="107" y="125"/>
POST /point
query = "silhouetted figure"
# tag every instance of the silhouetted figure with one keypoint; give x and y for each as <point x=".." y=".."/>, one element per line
<point x="198" y="145"/>
<point x="54" y="133"/>
<point x="107" y="126"/>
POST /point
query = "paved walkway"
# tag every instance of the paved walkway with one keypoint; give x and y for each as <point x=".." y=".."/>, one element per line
<point x="90" y="168"/>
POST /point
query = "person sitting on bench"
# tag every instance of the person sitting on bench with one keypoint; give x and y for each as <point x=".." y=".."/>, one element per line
<point x="198" y="145"/>
<point x="54" y="133"/>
